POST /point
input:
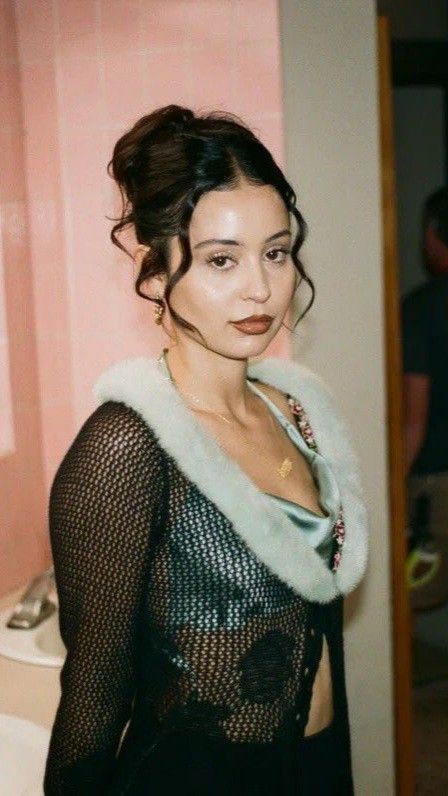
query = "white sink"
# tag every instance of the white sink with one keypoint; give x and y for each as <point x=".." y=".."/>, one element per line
<point x="41" y="645"/>
<point x="23" y="753"/>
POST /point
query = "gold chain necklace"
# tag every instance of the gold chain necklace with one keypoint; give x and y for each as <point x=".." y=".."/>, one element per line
<point x="286" y="466"/>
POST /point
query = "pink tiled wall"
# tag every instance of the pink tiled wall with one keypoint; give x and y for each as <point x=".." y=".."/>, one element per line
<point x="23" y="536"/>
<point x="7" y="439"/>
<point x="88" y="70"/>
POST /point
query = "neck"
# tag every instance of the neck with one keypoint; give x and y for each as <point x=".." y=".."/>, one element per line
<point x="216" y="381"/>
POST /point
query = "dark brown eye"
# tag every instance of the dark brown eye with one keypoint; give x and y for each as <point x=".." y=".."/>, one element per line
<point x="282" y="250"/>
<point x="217" y="260"/>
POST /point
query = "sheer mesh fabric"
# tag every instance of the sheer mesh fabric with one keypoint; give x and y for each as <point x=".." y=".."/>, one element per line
<point x="237" y="631"/>
<point x="168" y="618"/>
<point x="103" y="502"/>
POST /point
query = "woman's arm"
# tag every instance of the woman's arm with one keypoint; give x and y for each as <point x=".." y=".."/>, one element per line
<point x="103" y="500"/>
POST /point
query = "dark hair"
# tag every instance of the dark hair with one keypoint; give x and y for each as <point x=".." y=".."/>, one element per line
<point x="166" y="162"/>
<point x="435" y="213"/>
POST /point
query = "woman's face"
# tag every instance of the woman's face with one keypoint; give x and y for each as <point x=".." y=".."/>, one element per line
<point x="250" y="273"/>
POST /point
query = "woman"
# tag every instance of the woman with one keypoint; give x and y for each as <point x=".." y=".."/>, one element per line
<point x="208" y="517"/>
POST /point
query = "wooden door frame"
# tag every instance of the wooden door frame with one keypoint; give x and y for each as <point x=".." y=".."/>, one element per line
<point x="401" y="614"/>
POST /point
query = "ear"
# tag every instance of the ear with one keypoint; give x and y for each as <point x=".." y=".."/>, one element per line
<point x="139" y="253"/>
<point x="159" y="280"/>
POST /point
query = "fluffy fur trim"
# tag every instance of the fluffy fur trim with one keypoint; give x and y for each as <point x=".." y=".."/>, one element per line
<point x="140" y="383"/>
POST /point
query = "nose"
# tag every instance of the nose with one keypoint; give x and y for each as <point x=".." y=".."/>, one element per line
<point x="256" y="284"/>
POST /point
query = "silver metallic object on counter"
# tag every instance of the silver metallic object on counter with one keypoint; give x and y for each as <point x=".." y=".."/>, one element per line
<point x="35" y="605"/>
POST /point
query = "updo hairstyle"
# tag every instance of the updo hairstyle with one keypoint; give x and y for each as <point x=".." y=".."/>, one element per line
<point x="166" y="162"/>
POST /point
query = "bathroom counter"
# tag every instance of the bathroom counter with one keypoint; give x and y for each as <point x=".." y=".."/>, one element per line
<point x="26" y="690"/>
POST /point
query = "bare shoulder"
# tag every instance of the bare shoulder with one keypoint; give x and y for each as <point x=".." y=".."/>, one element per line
<point x="278" y="397"/>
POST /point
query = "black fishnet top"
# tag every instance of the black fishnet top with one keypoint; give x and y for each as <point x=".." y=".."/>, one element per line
<point x="168" y="618"/>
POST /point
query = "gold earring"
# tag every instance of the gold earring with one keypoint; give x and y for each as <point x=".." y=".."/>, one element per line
<point x="158" y="311"/>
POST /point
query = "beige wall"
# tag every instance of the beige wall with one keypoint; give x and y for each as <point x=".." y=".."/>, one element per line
<point x="331" y="129"/>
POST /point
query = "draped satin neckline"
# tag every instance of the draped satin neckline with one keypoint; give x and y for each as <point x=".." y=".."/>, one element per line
<point x="316" y="528"/>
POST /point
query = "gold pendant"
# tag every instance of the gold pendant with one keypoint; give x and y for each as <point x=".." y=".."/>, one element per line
<point x="285" y="468"/>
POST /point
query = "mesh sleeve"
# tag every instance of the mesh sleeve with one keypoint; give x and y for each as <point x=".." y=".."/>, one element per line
<point x="103" y="500"/>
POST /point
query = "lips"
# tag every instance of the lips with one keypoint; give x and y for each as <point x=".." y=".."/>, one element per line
<point x="255" y="318"/>
<point x="253" y="326"/>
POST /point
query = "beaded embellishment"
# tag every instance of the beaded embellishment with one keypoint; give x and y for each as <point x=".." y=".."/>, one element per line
<point x="306" y="431"/>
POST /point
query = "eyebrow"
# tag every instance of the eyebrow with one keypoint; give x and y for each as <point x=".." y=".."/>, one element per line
<point x="229" y="242"/>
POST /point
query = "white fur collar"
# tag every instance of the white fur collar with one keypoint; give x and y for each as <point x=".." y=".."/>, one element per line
<point x="140" y="383"/>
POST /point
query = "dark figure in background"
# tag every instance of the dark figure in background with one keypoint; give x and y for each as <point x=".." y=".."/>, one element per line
<point x="425" y="385"/>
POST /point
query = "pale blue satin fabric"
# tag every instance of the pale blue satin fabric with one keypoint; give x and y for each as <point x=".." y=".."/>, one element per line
<point x="317" y="530"/>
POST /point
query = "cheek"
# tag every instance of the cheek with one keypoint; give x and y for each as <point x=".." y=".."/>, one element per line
<point x="295" y="278"/>
<point x="213" y="306"/>
<point x="218" y="294"/>
<point x="283" y="283"/>
<point x="206" y="299"/>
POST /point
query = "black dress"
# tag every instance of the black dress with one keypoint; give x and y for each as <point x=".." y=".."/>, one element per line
<point x="192" y="614"/>
<point x="198" y="764"/>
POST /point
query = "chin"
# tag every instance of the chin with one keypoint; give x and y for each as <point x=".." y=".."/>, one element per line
<point x="255" y="345"/>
